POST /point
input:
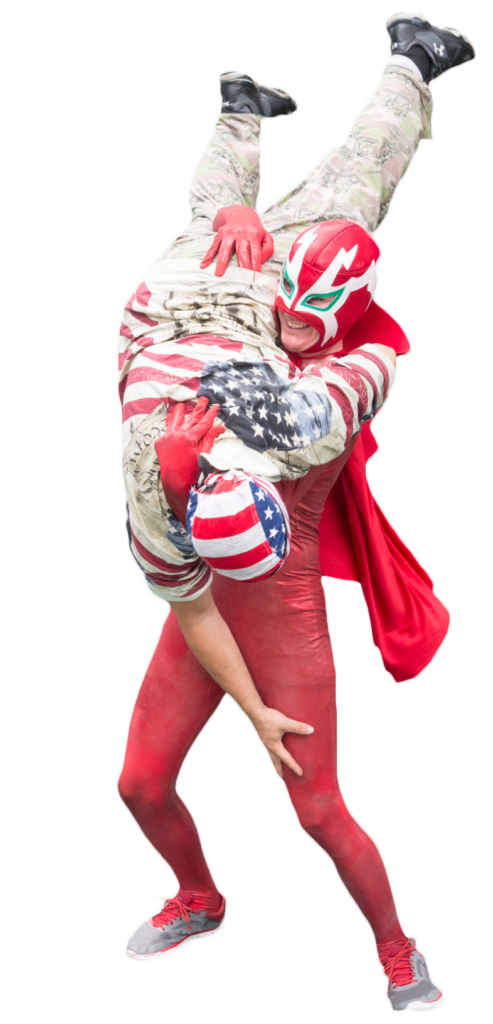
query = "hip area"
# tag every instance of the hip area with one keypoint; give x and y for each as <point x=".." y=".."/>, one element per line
<point x="281" y="621"/>
<point x="295" y="592"/>
<point x="305" y="498"/>
<point x="298" y="584"/>
<point x="276" y="607"/>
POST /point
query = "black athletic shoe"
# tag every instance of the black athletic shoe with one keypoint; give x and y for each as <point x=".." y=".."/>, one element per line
<point x="277" y="102"/>
<point x="444" y="47"/>
<point x="241" y="95"/>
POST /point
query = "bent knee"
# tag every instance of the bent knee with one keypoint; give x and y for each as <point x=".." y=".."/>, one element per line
<point x="320" y="813"/>
<point x="130" y="788"/>
<point x="136" y="789"/>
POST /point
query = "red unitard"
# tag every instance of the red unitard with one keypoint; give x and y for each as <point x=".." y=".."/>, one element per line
<point x="178" y="697"/>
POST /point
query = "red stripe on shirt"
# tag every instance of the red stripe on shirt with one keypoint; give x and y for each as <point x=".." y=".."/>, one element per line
<point x="224" y="526"/>
<point x="211" y="339"/>
<point x="354" y="376"/>
<point x="141" y="374"/>
<point x="381" y="366"/>
<point x="346" y="408"/>
<point x="126" y="332"/>
<point x="172" y="585"/>
<point x="143" y="405"/>
<point x="161" y="563"/>
<point x="123" y="356"/>
<point x="242" y="560"/>
<point x="143" y="318"/>
<point x="177" y="361"/>
<point x="166" y="580"/>
<point x="143" y="294"/>
<point x="200" y="583"/>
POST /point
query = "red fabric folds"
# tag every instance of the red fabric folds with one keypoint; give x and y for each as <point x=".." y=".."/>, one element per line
<point x="357" y="543"/>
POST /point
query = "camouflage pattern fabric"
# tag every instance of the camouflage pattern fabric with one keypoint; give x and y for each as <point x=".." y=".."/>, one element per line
<point x="183" y="326"/>
<point x="355" y="181"/>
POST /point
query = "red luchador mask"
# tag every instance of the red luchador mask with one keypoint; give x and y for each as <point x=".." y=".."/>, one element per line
<point x="328" y="279"/>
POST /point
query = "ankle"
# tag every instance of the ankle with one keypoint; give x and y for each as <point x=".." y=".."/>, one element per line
<point x="404" y="62"/>
<point x="420" y="57"/>
<point x="209" y="900"/>
<point x="388" y="949"/>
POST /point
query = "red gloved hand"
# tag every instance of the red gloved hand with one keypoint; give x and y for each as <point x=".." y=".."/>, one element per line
<point x="240" y="228"/>
<point x="179" y="448"/>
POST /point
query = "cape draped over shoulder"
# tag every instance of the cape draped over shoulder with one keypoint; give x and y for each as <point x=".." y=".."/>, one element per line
<point x="358" y="543"/>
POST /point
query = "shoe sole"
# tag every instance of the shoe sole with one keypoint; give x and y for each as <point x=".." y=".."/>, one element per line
<point x="161" y="952"/>
<point x="461" y="35"/>
<point x="278" y="92"/>
<point x="404" y="17"/>
<point x="237" y="76"/>
<point x="418" y="1005"/>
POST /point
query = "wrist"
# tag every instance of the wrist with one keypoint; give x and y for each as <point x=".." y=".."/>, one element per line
<point x="179" y="482"/>
<point x="178" y="503"/>
<point x="256" y="711"/>
<point x="236" y="212"/>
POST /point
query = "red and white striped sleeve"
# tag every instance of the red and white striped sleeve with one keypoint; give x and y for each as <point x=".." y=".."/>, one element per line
<point x="358" y="385"/>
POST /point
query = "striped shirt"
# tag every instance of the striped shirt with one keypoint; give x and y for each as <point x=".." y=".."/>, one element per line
<point x="186" y="333"/>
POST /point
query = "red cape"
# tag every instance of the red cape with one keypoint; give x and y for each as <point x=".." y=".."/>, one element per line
<point x="357" y="543"/>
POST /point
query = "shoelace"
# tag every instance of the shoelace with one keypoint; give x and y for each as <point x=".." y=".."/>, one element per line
<point x="398" y="967"/>
<point x="175" y="908"/>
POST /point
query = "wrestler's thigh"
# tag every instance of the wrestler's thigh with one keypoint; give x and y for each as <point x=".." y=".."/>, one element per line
<point x="175" y="701"/>
<point x="281" y="628"/>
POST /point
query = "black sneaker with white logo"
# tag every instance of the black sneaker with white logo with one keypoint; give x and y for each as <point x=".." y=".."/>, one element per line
<point x="444" y="47"/>
<point x="241" y="95"/>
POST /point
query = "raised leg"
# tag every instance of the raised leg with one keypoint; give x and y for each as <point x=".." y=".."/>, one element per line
<point x="357" y="180"/>
<point x="228" y="174"/>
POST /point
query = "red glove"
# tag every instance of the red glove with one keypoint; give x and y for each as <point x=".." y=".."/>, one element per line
<point x="179" y="448"/>
<point x="240" y="228"/>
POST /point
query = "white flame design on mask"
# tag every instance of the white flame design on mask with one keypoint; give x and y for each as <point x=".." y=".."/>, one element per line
<point x="325" y="282"/>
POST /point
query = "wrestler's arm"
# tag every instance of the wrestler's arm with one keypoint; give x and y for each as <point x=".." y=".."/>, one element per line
<point x="325" y="360"/>
<point x="213" y="644"/>
<point x="205" y="631"/>
<point x="389" y="352"/>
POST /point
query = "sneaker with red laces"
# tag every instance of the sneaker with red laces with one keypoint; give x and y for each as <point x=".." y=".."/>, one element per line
<point x="410" y="986"/>
<point x="178" y="921"/>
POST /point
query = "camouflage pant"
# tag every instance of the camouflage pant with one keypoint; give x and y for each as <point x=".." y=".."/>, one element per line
<point x="355" y="181"/>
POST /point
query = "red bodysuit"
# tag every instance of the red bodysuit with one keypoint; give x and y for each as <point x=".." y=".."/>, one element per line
<point x="178" y="697"/>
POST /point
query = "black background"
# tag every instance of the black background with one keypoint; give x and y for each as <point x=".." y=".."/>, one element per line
<point x="398" y="744"/>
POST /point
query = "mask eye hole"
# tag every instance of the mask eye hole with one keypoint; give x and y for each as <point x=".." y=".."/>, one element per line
<point x="287" y="285"/>
<point x="323" y="302"/>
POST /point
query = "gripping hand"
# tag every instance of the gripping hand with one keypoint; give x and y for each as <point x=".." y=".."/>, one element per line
<point x="239" y="228"/>
<point x="179" y="448"/>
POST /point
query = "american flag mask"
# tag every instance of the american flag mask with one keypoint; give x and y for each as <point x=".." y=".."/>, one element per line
<point x="239" y="525"/>
<point x="328" y="279"/>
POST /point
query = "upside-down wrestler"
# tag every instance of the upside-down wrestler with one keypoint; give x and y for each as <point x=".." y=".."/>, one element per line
<point x="291" y="391"/>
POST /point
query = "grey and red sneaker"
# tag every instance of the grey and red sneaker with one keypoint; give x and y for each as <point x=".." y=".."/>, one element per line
<point x="444" y="48"/>
<point x="177" y="922"/>
<point x="410" y="985"/>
